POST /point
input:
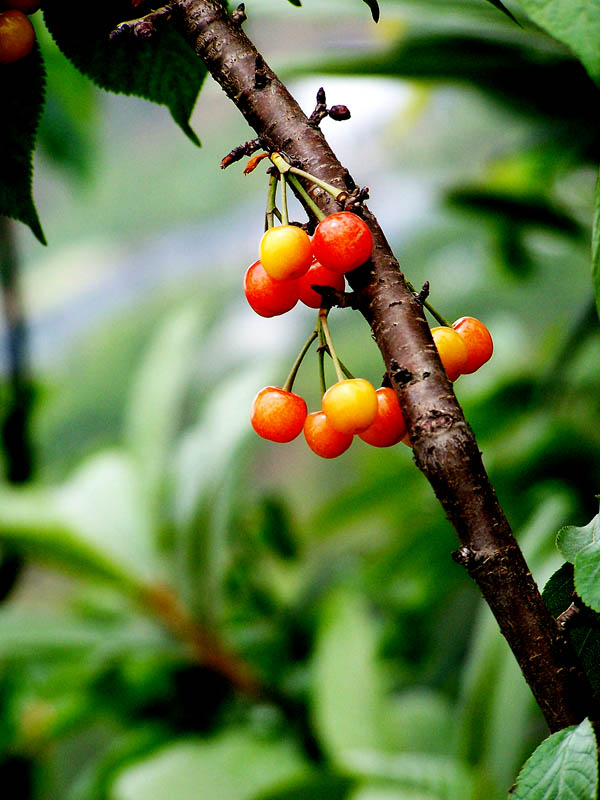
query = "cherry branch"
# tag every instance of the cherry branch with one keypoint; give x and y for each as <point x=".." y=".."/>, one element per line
<point x="444" y="445"/>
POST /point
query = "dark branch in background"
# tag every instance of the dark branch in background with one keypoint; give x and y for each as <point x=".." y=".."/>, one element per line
<point x="444" y="446"/>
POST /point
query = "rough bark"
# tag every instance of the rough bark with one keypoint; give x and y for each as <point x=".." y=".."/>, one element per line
<point x="444" y="446"/>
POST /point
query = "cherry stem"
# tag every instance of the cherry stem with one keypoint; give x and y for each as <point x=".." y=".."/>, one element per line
<point x="322" y="349"/>
<point x="271" y="210"/>
<point x="433" y="311"/>
<point x="287" y="386"/>
<point x="306" y="197"/>
<point x="284" y="207"/>
<point x="325" y="327"/>
<point x="337" y="194"/>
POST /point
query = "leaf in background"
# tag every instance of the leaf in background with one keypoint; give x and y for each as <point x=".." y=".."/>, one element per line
<point x="501" y="7"/>
<point x="348" y="693"/>
<point x="163" y="69"/>
<point x="596" y="247"/>
<point x="576" y="23"/>
<point x="23" y="91"/>
<point x="564" y="765"/>
<point x="235" y="765"/>
<point x="374" y="6"/>
<point x="296" y="3"/>
<point x="313" y="787"/>
<point x="572" y="539"/>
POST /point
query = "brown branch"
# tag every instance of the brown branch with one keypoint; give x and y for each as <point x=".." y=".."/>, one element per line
<point x="444" y="446"/>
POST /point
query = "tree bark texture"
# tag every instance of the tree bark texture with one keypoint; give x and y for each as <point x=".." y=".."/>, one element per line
<point x="444" y="446"/>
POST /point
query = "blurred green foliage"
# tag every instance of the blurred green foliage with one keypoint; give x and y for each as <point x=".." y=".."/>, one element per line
<point x="384" y="677"/>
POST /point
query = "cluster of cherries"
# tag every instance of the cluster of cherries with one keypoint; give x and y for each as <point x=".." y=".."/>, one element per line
<point x="293" y="267"/>
<point x="17" y="35"/>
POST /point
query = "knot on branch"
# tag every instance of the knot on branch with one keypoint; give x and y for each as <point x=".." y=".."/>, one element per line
<point x="239" y="15"/>
<point x="356" y="198"/>
<point x="321" y="111"/>
<point x="421" y="296"/>
<point x="146" y="26"/>
<point x="261" y="77"/>
<point x="332" y="297"/>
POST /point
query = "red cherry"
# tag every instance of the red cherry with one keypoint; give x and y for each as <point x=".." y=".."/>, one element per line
<point x="318" y="275"/>
<point x="478" y="340"/>
<point x="17" y="36"/>
<point x="267" y="296"/>
<point x="342" y="242"/>
<point x="389" y="427"/>
<point x="278" y="415"/>
<point x="26" y="6"/>
<point x="324" y="440"/>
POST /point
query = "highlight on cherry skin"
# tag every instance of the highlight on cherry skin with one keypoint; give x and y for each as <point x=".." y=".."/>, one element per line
<point x="323" y="439"/>
<point x="478" y="342"/>
<point x="17" y="36"/>
<point x="286" y="252"/>
<point x="451" y="349"/>
<point x="388" y="428"/>
<point x="266" y="296"/>
<point x="350" y="405"/>
<point x="342" y="242"/>
<point x="278" y="415"/>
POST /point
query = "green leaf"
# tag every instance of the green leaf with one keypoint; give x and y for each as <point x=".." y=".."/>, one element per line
<point x="596" y="247"/>
<point x="23" y="92"/>
<point x="232" y="766"/>
<point x="572" y="539"/>
<point x="163" y="69"/>
<point x="314" y="787"/>
<point x="348" y="692"/>
<point x="296" y="3"/>
<point x="374" y="6"/>
<point x="575" y="23"/>
<point x="587" y="575"/>
<point x="564" y="766"/>
<point x="501" y="7"/>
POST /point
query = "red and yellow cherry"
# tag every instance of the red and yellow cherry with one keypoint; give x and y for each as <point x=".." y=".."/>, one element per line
<point x="285" y="252"/>
<point x="342" y="242"/>
<point x="318" y="275"/>
<point x="351" y="405"/>
<point x="323" y="439"/>
<point x="26" y="6"/>
<point x="17" y="36"/>
<point x="451" y="350"/>
<point x="478" y="341"/>
<point x="268" y="297"/>
<point x="388" y="427"/>
<point x="278" y="415"/>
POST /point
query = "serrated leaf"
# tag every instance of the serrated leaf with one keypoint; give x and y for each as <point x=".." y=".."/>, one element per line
<point x="374" y="6"/>
<point x="232" y="766"/>
<point x="596" y="248"/>
<point x="163" y="69"/>
<point x="575" y="23"/>
<point x="587" y="575"/>
<point x="23" y="91"/>
<point x="572" y="539"/>
<point x="564" y="766"/>
<point x="501" y="7"/>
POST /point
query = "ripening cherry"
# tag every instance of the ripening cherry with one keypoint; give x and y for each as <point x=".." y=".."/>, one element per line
<point x="285" y="252"/>
<point x="351" y="405"/>
<point x="323" y="439"/>
<point x="26" y="6"/>
<point x="318" y="275"/>
<point x="268" y="297"/>
<point x="17" y="36"/>
<point x="478" y="341"/>
<point x="278" y="415"/>
<point x="388" y="427"/>
<point x="451" y="350"/>
<point x="342" y="242"/>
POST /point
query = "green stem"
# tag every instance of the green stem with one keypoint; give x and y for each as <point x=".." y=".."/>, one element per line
<point x="337" y="194"/>
<point x="307" y="198"/>
<point x="269" y="222"/>
<point x="284" y="208"/>
<point x="433" y="311"/>
<point x="287" y="386"/>
<point x="323" y="319"/>
<point x="322" y="359"/>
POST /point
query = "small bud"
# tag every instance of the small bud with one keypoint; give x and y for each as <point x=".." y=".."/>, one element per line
<point x="339" y="113"/>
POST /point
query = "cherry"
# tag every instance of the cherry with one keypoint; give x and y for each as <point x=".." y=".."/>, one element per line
<point x="26" y="6"/>
<point x="278" y="415"/>
<point x="17" y="36"/>
<point x="318" y="275"/>
<point x="342" y="242"/>
<point x="323" y="439"/>
<point x="478" y="341"/>
<point x="388" y="427"/>
<point x="268" y="297"/>
<point x="351" y="405"/>
<point x="285" y="252"/>
<point x="451" y="349"/>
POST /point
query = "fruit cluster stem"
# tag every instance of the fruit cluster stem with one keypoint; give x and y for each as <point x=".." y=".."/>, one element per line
<point x="289" y="382"/>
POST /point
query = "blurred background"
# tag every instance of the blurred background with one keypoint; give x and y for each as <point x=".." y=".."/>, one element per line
<point x="190" y="612"/>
